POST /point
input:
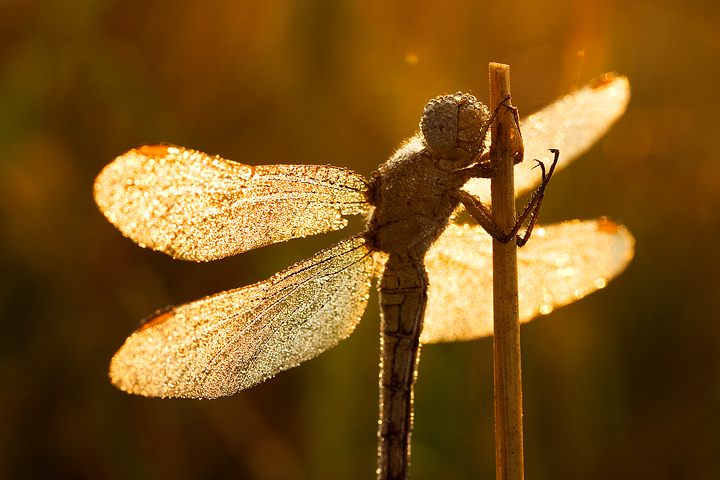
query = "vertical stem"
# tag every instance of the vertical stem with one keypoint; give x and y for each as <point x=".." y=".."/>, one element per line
<point x="506" y="342"/>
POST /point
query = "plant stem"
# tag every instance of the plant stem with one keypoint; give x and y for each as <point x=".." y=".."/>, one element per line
<point x="506" y="340"/>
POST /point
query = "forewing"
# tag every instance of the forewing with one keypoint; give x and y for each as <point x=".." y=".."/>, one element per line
<point x="230" y="341"/>
<point x="197" y="207"/>
<point x="563" y="263"/>
<point x="572" y="125"/>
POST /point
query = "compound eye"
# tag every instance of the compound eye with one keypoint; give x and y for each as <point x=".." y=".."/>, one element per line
<point x="439" y="124"/>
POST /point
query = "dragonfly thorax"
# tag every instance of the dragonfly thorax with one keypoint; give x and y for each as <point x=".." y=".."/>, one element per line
<point x="413" y="198"/>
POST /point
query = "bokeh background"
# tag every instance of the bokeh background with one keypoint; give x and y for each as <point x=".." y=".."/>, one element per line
<point x="624" y="384"/>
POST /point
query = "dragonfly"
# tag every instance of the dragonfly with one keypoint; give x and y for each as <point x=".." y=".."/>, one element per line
<point x="434" y="275"/>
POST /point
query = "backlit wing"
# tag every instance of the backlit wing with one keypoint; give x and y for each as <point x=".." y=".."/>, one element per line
<point x="572" y="125"/>
<point x="233" y="340"/>
<point x="563" y="263"/>
<point x="197" y="207"/>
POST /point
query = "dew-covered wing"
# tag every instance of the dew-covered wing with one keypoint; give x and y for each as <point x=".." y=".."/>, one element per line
<point x="199" y="207"/>
<point x="572" y="124"/>
<point x="562" y="263"/>
<point x="231" y="341"/>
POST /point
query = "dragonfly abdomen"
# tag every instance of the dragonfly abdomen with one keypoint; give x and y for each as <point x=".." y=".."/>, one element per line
<point x="403" y="297"/>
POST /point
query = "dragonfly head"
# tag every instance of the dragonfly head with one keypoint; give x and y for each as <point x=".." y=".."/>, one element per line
<point x="454" y="126"/>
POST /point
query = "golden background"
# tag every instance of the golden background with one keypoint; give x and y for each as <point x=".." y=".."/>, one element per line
<point x="624" y="384"/>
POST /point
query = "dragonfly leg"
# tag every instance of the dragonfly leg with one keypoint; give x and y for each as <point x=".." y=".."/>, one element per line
<point x="483" y="215"/>
<point x="483" y="166"/>
<point x="533" y="206"/>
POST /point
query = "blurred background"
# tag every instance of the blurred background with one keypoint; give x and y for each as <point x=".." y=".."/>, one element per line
<point x="624" y="384"/>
